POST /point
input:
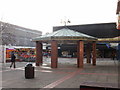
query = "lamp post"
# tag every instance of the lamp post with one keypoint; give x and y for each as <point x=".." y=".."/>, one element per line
<point x="2" y="47"/>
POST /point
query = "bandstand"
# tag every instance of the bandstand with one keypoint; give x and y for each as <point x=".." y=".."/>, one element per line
<point x="66" y="36"/>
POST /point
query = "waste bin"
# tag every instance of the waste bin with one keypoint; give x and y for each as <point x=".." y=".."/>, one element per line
<point x="29" y="71"/>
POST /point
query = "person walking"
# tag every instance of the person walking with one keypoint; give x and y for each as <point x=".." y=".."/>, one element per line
<point x="12" y="60"/>
<point x="113" y="55"/>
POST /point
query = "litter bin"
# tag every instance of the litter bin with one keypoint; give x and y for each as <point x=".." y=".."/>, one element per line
<point x="29" y="71"/>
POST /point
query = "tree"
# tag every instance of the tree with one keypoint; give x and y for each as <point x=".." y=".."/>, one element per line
<point x="6" y="37"/>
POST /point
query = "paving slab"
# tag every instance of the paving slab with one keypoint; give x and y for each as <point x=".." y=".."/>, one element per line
<point x="67" y="75"/>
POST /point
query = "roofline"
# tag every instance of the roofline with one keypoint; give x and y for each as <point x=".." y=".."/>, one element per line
<point x="87" y="24"/>
<point x="33" y="30"/>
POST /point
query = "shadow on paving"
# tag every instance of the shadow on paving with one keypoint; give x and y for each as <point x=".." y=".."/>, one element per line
<point x="40" y="88"/>
<point x="20" y="88"/>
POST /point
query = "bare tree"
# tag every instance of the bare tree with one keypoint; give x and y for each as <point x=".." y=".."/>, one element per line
<point x="6" y="37"/>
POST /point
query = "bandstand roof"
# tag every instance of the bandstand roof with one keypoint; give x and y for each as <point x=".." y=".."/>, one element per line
<point x="65" y="34"/>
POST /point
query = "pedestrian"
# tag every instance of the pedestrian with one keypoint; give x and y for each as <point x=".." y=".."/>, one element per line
<point x="12" y="60"/>
<point x="113" y="55"/>
<point x="46" y="54"/>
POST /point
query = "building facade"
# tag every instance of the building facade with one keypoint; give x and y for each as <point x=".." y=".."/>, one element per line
<point x="100" y="30"/>
<point x="17" y="36"/>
